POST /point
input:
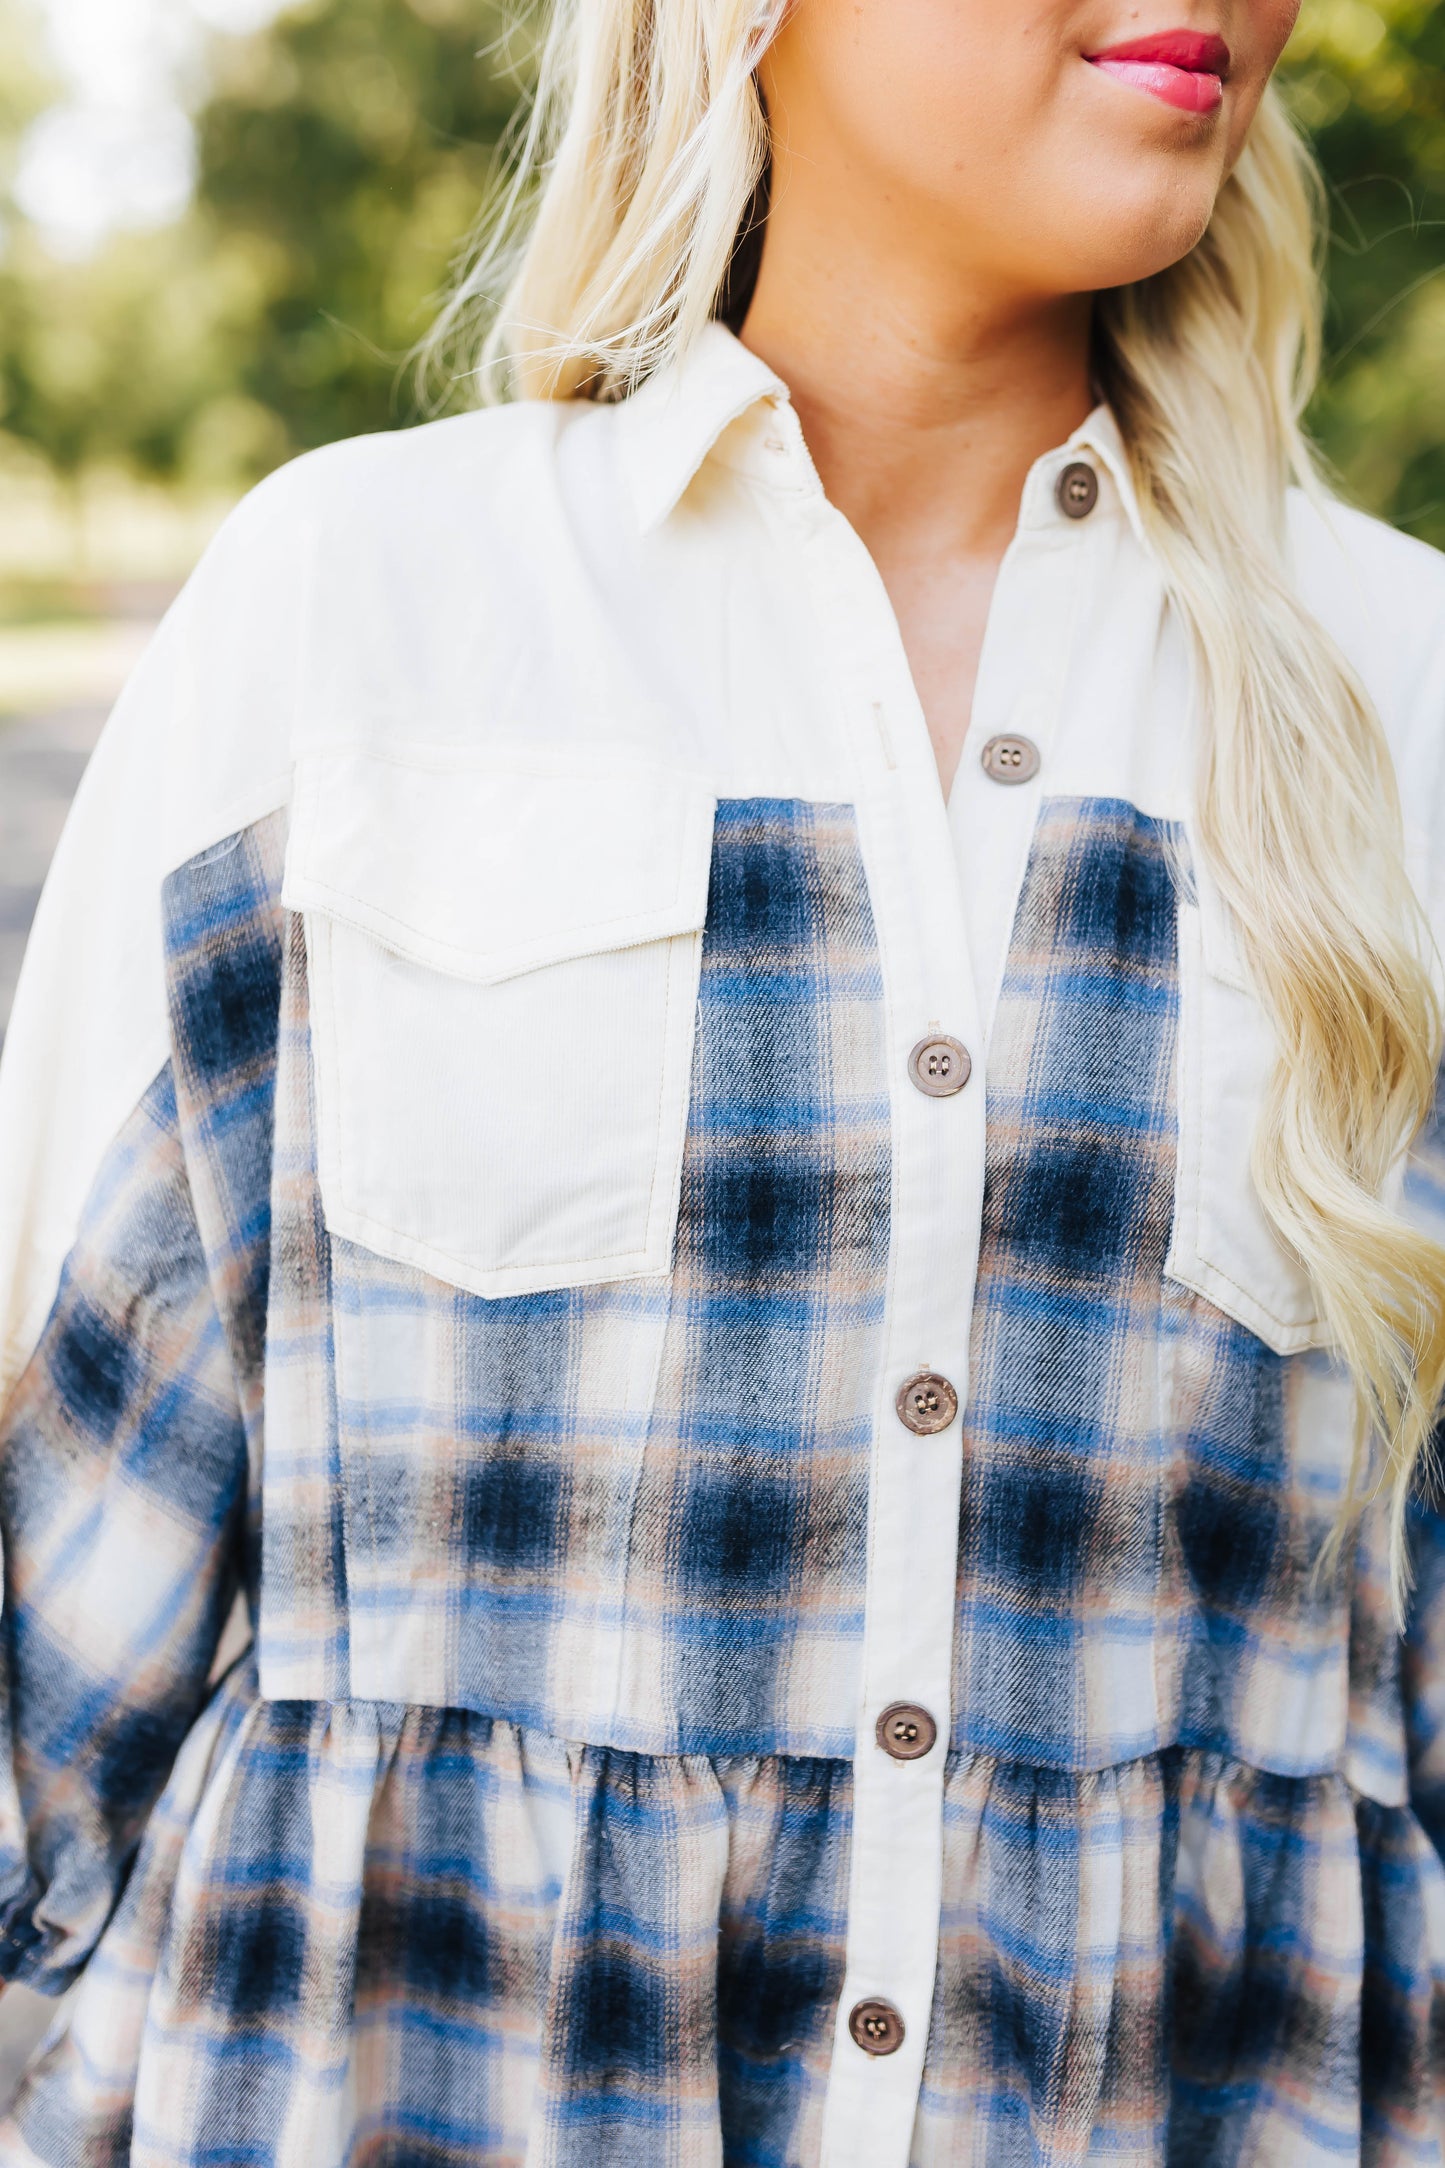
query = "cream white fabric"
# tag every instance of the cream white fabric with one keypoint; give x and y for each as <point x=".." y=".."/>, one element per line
<point x="500" y="670"/>
<point x="543" y="888"/>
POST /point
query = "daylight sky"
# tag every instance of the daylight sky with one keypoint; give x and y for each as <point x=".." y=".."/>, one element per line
<point x="118" y="150"/>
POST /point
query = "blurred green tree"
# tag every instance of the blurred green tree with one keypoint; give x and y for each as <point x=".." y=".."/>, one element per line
<point x="345" y="156"/>
<point x="25" y="83"/>
<point x="111" y="358"/>
<point x="1367" y="81"/>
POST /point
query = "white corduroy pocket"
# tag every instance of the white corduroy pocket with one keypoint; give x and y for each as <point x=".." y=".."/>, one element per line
<point x="1224" y="1245"/>
<point x="503" y="953"/>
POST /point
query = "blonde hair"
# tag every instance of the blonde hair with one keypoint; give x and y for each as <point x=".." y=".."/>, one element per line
<point x="638" y="170"/>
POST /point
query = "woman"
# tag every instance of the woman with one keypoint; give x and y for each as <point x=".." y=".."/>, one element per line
<point x="727" y="1121"/>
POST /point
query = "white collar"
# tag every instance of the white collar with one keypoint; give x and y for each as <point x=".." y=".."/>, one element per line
<point x="671" y="423"/>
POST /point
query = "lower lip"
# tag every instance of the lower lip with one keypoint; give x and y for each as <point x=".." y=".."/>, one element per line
<point x="1191" y="92"/>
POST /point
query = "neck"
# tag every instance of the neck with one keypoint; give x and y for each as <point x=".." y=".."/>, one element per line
<point x="925" y="395"/>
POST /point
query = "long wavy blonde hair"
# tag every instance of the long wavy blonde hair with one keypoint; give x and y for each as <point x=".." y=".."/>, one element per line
<point x="636" y="176"/>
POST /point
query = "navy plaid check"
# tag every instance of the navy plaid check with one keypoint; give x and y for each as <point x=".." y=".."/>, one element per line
<point x="363" y="1933"/>
<point x="327" y="1928"/>
<point x="122" y="1494"/>
<point x="1059" y="1537"/>
<point x="675" y="1565"/>
<point x="1144" y="1499"/>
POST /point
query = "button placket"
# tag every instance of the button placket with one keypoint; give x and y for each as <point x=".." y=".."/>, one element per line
<point x="1022" y="687"/>
<point x="895" y="1887"/>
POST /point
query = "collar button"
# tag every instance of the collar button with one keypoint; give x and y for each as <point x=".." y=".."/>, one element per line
<point x="1077" y="490"/>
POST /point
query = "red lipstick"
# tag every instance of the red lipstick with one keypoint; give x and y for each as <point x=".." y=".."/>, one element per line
<point x="1184" y="68"/>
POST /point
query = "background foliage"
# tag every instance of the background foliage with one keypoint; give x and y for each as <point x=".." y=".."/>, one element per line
<point x="344" y="154"/>
<point x="1368" y="83"/>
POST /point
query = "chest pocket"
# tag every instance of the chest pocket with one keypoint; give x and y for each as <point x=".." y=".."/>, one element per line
<point x="1223" y="1244"/>
<point x="503" y="954"/>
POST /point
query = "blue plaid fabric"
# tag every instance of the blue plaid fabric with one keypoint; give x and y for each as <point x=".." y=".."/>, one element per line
<point x="580" y="1897"/>
<point x="1145" y="1496"/>
<point x="503" y="1947"/>
<point x="1423" y="1655"/>
<point x="1169" y="1962"/>
<point x="122" y="1497"/>
<point x="1059" y="1538"/>
<point x="128" y="1491"/>
<point x="362" y="1934"/>
<point x="636" y="1511"/>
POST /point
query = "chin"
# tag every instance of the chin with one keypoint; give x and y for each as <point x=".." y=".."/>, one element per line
<point x="1120" y="252"/>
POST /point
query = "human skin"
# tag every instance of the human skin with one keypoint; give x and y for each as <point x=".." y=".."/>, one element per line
<point x="953" y="181"/>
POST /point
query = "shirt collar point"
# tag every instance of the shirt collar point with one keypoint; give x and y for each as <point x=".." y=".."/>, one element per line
<point x="672" y="421"/>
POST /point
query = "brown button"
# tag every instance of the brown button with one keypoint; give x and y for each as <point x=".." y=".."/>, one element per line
<point x="1078" y="490"/>
<point x="906" y="1731"/>
<point x="876" y="2026"/>
<point x="940" y="1066"/>
<point x="926" y="1403"/>
<point x="1010" y="760"/>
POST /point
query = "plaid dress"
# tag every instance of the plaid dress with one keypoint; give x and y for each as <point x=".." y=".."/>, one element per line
<point x="541" y="1813"/>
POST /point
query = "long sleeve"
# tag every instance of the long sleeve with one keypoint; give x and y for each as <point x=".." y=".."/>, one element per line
<point x="122" y="1489"/>
<point x="135" y="1128"/>
<point x="1423" y="1655"/>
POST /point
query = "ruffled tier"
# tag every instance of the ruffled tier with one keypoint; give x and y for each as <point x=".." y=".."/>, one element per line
<point x="360" y="1934"/>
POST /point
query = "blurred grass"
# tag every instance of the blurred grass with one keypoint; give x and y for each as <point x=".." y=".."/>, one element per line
<point x="87" y="566"/>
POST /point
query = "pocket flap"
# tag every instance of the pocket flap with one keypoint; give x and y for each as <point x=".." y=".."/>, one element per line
<point x="489" y="864"/>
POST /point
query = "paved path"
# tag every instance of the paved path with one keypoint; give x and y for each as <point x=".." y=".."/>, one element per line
<point x="41" y="759"/>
